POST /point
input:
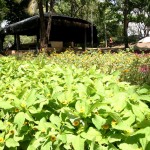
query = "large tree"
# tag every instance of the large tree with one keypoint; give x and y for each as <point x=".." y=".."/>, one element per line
<point x="126" y="21"/>
<point x="140" y="14"/>
<point x="137" y="11"/>
<point x="16" y="11"/>
<point x="45" y="30"/>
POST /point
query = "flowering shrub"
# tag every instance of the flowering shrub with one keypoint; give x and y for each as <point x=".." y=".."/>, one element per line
<point x="138" y="71"/>
<point x="144" y="69"/>
<point x="45" y="104"/>
<point x="128" y="64"/>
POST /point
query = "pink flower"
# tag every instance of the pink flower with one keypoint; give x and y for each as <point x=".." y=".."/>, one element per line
<point x="144" y="69"/>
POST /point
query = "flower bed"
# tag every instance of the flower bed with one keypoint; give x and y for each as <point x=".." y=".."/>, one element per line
<point x="70" y="101"/>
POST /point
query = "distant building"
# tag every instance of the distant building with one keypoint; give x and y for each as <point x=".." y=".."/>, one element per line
<point x="64" y="29"/>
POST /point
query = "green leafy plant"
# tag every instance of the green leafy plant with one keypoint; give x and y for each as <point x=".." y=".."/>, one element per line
<point x="47" y="105"/>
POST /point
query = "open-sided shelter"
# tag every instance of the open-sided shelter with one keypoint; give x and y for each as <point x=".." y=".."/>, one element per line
<point x="63" y="28"/>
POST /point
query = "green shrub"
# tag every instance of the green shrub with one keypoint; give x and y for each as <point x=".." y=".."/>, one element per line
<point x="50" y="105"/>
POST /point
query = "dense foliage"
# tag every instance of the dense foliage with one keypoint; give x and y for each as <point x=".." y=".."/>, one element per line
<point x="3" y="10"/>
<point x="79" y="102"/>
<point x="16" y="11"/>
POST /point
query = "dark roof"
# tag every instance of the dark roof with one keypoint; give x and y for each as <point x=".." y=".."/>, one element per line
<point x="63" y="28"/>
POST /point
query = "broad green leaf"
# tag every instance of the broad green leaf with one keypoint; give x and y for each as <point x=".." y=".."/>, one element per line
<point x="82" y="106"/>
<point x="16" y="138"/>
<point x="138" y="113"/>
<point x="124" y="127"/>
<point x="17" y="103"/>
<point x="145" y="123"/>
<point x="107" y="78"/>
<point x="77" y="142"/>
<point x="81" y="89"/>
<point x="10" y="96"/>
<point x="31" y="98"/>
<point x="69" y="95"/>
<point x="31" y="147"/>
<point x="92" y="144"/>
<point x="46" y="145"/>
<point x="5" y="105"/>
<point x="92" y="134"/>
<point x="1" y="147"/>
<point x="125" y="146"/>
<point x="11" y="143"/>
<point x="145" y="97"/>
<point x="147" y="146"/>
<point x="55" y="120"/>
<point x="32" y="110"/>
<point x="87" y="80"/>
<point x="142" y="91"/>
<point x="118" y="101"/>
<point x="35" y="143"/>
<point x="143" y="142"/>
<point x="19" y="119"/>
<point x="28" y="116"/>
<point x="98" y="121"/>
<point x="97" y="105"/>
<point x="62" y="138"/>
<point x="91" y="90"/>
<point x="115" y="116"/>
<point x="67" y="146"/>
<point x="44" y="125"/>
<point x="69" y="77"/>
<point x="99" y="87"/>
<point x="124" y="122"/>
<point x="115" y="137"/>
<point x="2" y="126"/>
<point x="130" y="120"/>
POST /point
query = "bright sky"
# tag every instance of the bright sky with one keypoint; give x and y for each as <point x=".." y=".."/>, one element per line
<point x="3" y="24"/>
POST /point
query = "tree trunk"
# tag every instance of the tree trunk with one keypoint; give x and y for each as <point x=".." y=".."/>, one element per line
<point x="52" y="5"/>
<point x="43" y="43"/>
<point x="126" y="23"/>
<point x="48" y="31"/>
<point x="72" y="8"/>
<point x="48" y="27"/>
<point x="46" y="5"/>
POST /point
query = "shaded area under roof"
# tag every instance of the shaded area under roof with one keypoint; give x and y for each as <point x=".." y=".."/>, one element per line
<point x="63" y="28"/>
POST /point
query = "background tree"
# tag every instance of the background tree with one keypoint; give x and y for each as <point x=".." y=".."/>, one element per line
<point x="16" y="11"/>
<point x="108" y="20"/>
<point x="140" y="14"/>
<point x="3" y="9"/>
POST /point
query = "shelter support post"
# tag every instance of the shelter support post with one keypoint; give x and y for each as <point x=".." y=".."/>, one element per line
<point x="92" y="35"/>
<point x="17" y="41"/>
<point x="85" y="38"/>
<point x="37" y="43"/>
<point x="1" y="43"/>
